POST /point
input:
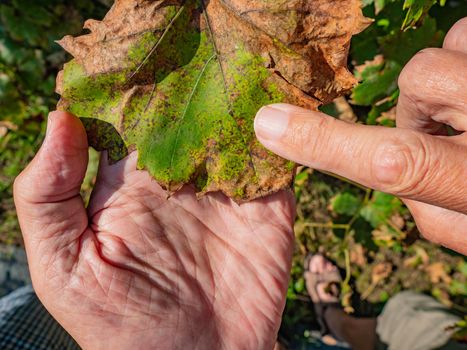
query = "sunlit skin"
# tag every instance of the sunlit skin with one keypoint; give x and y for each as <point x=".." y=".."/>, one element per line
<point x="137" y="270"/>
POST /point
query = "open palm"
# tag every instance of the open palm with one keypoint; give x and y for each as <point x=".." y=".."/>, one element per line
<point x="139" y="270"/>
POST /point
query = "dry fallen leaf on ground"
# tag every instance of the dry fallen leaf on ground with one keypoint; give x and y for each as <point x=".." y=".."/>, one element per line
<point x="181" y="82"/>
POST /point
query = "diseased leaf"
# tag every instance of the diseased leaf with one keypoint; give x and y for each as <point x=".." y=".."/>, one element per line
<point x="181" y="81"/>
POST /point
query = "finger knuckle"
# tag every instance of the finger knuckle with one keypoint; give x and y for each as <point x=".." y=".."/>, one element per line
<point x="415" y="71"/>
<point x="456" y="39"/>
<point x="400" y="166"/>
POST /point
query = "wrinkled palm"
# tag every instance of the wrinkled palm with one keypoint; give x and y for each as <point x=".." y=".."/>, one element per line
<point x="171" y="273"/>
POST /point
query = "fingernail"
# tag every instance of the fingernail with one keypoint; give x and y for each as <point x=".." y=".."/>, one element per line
<point x="271" y="124"/>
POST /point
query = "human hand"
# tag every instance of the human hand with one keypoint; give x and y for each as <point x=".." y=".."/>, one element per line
<point x="140" y="271"/>
<point x="417" y="161"/>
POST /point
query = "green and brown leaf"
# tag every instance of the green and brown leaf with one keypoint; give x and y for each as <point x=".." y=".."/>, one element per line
<point x="181" y="81"/>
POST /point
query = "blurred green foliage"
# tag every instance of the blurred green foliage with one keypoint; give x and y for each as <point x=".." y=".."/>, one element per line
<point x="29" y="62"/>
<point x="363" y="231"/>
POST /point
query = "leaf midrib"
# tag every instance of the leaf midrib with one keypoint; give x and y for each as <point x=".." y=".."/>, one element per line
<point x="187" y="106"/>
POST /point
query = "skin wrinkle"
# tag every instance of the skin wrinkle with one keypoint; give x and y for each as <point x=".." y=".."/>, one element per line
<point x="127" y="298"/>
<point x="233" y="298"/>
<point x="147" y="245"/>
<point x="248" y="222"/>
<point x="70" y="254"/>
<point x="210" y="231"/>
<point x="113" y="291"/>
<point x="143" y="275"/>
<point x="255" y="273"/>
<point x="269" y="290"/>
<point x="47" y="261"/>
<point x="140" y="230"/>
<point x="409" y="104"/>
<point x="51" y="210"/>
<point x="179" y="296"/>
<point x="414" y="168"/>
<point x="431" y="174"/>
<point x="83" y="297"/>
<point x="224" y="264"/>
<point x="148" y="256"/>
<point x="453" y="117"/>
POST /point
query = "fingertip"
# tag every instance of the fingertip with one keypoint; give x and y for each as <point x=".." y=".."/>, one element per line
<point x="272" y="122"/>
<point x="59" y="112"/>
<point x="298" y="134"/>
<point x="66" y="130"/>
<point x="62" y="115"/>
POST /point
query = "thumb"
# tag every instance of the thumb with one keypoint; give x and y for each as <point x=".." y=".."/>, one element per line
<point x="47" y="192"/>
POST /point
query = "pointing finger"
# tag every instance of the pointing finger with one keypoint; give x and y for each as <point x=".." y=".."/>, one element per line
<point x="402" y="162"/>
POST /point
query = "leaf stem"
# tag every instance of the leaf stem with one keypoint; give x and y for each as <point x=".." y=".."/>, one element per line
<point x="347" y="266"/>
<point x="329" y="225"/>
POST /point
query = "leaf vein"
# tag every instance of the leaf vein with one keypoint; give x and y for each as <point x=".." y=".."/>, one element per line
<point x="187" y="105"/>
<point x="156" y="45"/>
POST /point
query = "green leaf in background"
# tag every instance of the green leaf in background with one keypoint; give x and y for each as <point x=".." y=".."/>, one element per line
<point x="29" y="62"/>
<point x="462" y="267"/>
<point x="416" y="10"/>
<point x="458" y="288"/>
<point x="379" y="73"/>
<point x="379" y="79"/>
<point x="401" y="46"/>
<point x="345" y="203"/>
<point x="380" y="209"/>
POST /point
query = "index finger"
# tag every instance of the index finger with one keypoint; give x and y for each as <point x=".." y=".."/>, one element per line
<point x="402" y="162"/>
